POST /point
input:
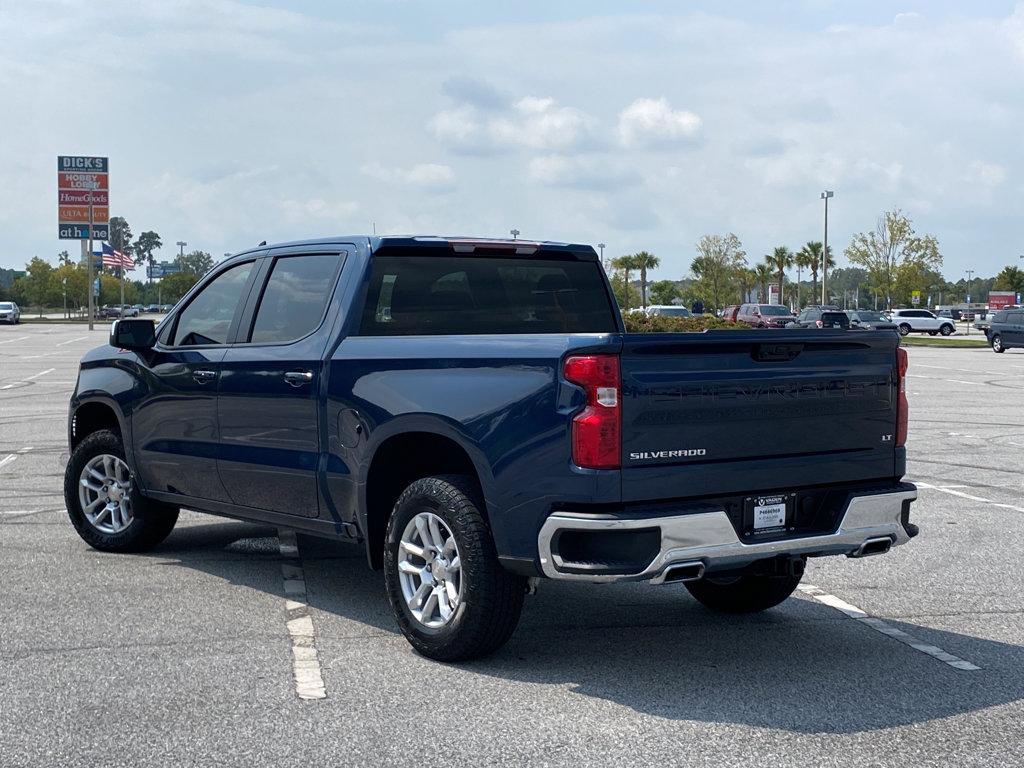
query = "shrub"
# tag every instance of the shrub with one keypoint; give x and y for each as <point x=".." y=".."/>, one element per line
<point x="638" y="322"/>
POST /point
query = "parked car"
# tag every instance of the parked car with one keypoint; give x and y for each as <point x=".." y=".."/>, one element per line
<point x="764" y="315"/>
<point x="729" y="313"/>
<point x="118" y="311"/>
<point x="475" y="415"/>
<point x="139" y="307"/>
<point x="10" y="313"/>
<point x="669" y="310"/>
<point x="152" y="308"/>
<point x="923" y="321"/>
<point x="869" y="319"/>
<point x="1007" y="330"/>
<point x="814" y="317"/>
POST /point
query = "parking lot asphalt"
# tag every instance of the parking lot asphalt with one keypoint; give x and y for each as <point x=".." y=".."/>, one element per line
<point x="183" y="656"/>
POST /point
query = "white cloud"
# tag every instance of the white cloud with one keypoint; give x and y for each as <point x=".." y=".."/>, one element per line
<point x="532" y="123"/>
<point x="432" y="176"/>
<point x="653" y="123"/>
<point x="985" y="174"/>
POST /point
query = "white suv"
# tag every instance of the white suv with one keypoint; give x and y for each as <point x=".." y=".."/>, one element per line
<point x="9" y="313"/>
<point x="922" y="320"/>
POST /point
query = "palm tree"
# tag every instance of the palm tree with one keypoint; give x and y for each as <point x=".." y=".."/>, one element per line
<point x="763" y="273"/>
<point x="803" y="261"/>
<point x="813" y="251"/>
<point x="780" y="259"/>
<point x="145" y="245"/>
<point x="747" y="279"/>
<point x="626" y="263"/>
<point x="644" y="261"/>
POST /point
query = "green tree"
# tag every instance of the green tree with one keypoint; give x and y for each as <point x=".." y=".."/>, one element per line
<point x="145" y="245"/>
<point x="664" y="291"/>
<point x="716" y="267"/>
<point x="803" y="261"/>
<point x="173" y="287"/>
<point x="1009" y="279"/>
<point x="624" y="264"/>
<point x="812" y="253"/>
<point x="121" y="235"/>
<point x="893" y="252"/>
<point x="39" y="286"/>
<point x="72" y="282"/>
<point x="644" y="261"/>
<point x="781" y="259"/>
<point x="762" y="274"/>
<point x="197" y="263"/>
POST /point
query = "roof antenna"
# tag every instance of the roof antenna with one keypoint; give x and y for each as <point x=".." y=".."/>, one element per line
<point x="262" y="243"/>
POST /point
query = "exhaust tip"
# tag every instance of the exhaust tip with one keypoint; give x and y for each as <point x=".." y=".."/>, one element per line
<point x="874" y="546"/>
<point x="683" y="572"/>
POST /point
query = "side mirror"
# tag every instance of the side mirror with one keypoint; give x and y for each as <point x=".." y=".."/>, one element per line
<point x="133" y="333"/>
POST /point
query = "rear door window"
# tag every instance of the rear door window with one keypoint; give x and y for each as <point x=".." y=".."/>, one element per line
<point x="411" y="295"/>
<point x="295" y="297"/>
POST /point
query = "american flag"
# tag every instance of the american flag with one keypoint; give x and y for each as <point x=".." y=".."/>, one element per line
<point x="114" y="258"/>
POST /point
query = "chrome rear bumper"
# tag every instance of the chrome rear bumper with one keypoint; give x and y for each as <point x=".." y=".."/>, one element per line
<point x="710" y="539"/>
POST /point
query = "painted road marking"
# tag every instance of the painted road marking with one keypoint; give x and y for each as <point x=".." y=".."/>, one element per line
<point x="953" y="491"/>
<point x="309" y="681"/>
<point x="954" y="381"/>
<point x="76" y="339"/>
<point x="11" y="457"/>
<point x="27" y="379"/>
<point x="885" y="628"/>
<point x="16" y="339"/>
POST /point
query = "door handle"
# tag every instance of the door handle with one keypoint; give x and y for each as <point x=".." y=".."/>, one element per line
<point x="204" y="376"/>
<point x="298" y="378"/>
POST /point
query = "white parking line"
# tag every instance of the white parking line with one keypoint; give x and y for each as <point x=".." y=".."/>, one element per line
<point x="884" y="627"/>
<point x="76" y="339"/>
<point x="936" y="379"/>
<point x="953" y="491"/>
<point x="11" y="457"/>
<point x="27" y="379"/>
<point x="16" y="339"/>
<point x="309" y="681"/>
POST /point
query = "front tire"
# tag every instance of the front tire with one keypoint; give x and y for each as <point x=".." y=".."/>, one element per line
<point x="745" y="594"/>
<point x="904" y="329"/>
<point x="997" y="343"/>
<point x="946" y="330"/>
<point x="104" y="502"/>
<point x="452" y="598"/>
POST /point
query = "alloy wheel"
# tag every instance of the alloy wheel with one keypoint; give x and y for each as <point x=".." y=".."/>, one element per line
<point x="104" y="492"/>
<point x="430" y="570"/>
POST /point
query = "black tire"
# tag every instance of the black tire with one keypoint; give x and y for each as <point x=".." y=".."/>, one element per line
<point x="743" y="595"/>
<point x="904" y="329"/>
<point x="492" y="598"/>
<point x="151" y="521"/>
<point x="946" y="330"/>
<point x="997" y="343"/>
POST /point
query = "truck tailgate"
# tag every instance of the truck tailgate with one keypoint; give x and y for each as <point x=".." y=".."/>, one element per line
<point x="728" y="412"/>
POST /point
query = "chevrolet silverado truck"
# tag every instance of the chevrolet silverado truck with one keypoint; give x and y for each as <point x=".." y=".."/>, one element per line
<point x="474" y="413"/>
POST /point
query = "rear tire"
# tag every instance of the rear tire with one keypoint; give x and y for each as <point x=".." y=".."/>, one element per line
<point x="997" y="343"/>
<point x="147" y="523"/>
<point x="904" y="329"/>
<point x="745" y="594"/>
<point x="483" y="601"/>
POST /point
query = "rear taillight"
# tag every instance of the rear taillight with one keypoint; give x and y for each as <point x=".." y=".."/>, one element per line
<point x="597" y="430"/>
<point x="901" y="396"/>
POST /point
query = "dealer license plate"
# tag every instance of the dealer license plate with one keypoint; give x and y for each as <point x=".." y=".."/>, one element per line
<point x="770" y="513"/>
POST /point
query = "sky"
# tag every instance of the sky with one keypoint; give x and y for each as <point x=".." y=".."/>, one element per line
<point x="640" y="125"/>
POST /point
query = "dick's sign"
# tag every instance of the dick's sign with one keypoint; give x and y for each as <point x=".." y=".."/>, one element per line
<point x="83" y="187"/>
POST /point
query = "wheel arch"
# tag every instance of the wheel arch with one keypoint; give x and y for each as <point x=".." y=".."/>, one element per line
<point x="405" y="454"/>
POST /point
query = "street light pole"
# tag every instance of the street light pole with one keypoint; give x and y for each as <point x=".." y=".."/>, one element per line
<point x="824" y="253"/>
<point x="514" y="233"/>
<point x="970" y="277"/>
<point x="181" y="253"/>
<point x="601" y="246"/>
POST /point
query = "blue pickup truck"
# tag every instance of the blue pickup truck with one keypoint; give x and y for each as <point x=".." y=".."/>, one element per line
<point x="475" y="414"/>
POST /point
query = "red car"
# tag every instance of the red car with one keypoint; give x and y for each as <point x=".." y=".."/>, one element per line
<point x="729" y="313"/>
<point x="765" y="315"/>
